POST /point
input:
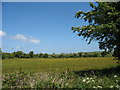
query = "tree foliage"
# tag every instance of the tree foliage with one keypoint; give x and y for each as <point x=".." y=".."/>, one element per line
<point x="103" y="54"/>
<point x="45" y="55"/>
<point x="104" y="26"/>
<point x="18" y="54"/>
<point x="31" y="53"/>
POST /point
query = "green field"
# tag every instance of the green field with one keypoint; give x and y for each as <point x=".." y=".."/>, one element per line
<point x="60" y="77"/>
<point x="56" y="65"/>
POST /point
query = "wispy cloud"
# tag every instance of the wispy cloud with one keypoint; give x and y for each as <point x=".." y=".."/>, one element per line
<point x="2" y="33"/>
<point x="20" y="37"/>
<point x="26" y="39"/>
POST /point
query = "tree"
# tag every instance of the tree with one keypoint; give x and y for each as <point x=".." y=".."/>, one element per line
<point x="53" y="55"/>
<point x="25" y="55"/>
<point x="69" y="55"/>
<point x="103" y="54"/>
<point x="7" y="55"/>
<point x="40" y="55"/>
<point x="18" y="54"/>
<point x="31" y="53"/>
<point x="104" y="26"/>
<point x="80" y="54"/>
<point x="62" y="55"/>
<point x="86" y="55"/>
<point x="95" y="54"/>
<point x="36" y="55"/>
<point x="75" y="55"/>
<point x="45" y="55"/>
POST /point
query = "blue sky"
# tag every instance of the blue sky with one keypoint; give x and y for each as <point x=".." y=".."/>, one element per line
<point x="43" y="27"/>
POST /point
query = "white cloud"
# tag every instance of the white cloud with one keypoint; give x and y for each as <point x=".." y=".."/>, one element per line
<point x="27" y="39"/>
<point x="2" y="33"/>
<point x="20" y="37"/>
<point x="34" y="41"/>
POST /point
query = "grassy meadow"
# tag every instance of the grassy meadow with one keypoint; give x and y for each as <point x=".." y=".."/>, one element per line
<point x="97" y="72"/>
<point x="56" y="65"/>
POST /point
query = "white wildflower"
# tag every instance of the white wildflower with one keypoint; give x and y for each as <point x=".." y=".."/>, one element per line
<point x="115" y="76"/>
<point x="93" y="80"/>
<point x="94" y="86"/>
<point x="83" y="80"/>
<point x="66" y="83"/>
<point x="87" y="81"/>
<point x="116" y="80"/>
<point x="117" y="86"/>
<point x="87" y="78"/>
<point x="111" y="86"/>
<point x="53" y="80"/>
<point x="99" y="86"/>
<point x="108" y="12"/>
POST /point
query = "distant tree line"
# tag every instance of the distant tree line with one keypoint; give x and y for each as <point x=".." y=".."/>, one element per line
<point x="31" y="54"/>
